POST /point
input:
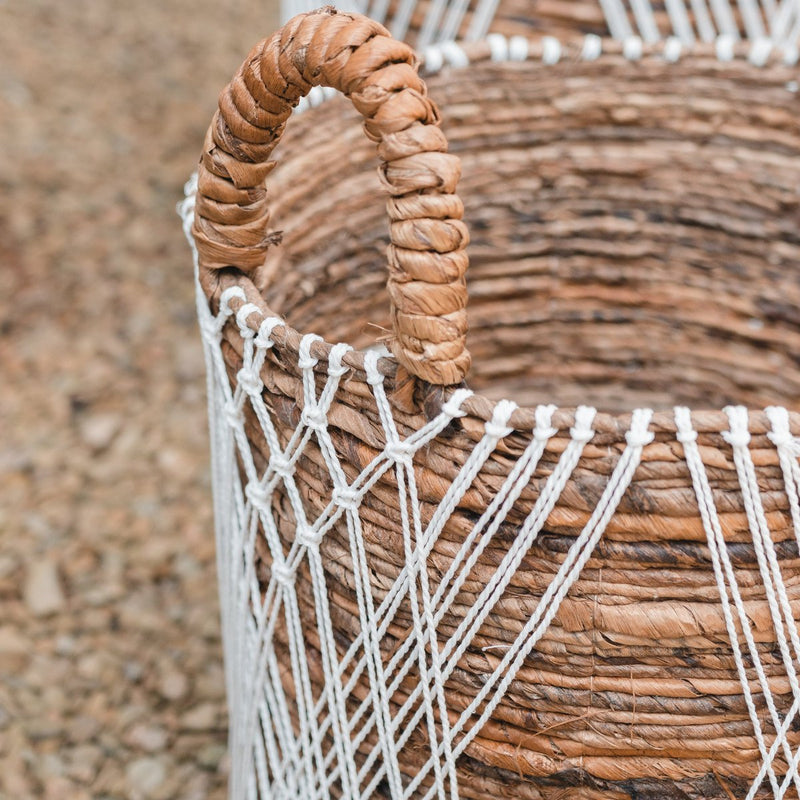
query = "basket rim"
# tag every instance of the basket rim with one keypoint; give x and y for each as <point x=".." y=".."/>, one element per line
<point x="551" y="50"/>
<point x="238" y="298"/>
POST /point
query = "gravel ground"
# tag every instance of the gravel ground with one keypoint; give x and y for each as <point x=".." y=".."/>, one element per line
<point x="111" y="682"/>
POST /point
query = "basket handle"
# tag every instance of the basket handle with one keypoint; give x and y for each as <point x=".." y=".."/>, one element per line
<point x="427" y="259"/>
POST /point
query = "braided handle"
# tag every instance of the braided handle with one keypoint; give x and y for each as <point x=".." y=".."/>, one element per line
<point x="427" y="260"/>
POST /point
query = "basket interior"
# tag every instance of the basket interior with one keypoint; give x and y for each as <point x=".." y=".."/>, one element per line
<point x="634" y="230"/>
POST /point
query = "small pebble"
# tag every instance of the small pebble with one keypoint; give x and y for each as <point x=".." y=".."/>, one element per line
<point x="43" y="594"/>
<point x="144" y="776"/>
<point x="60" y="788"/>
<point x="133" y="671"/>
<point x="83" y="763"/>
<point x="150" y="738"/>
<point x="98" y="430"/>
<point x="199" y="718"/>
<point x="12" y="642"/>
<point x="173" y="685"/>
<point x="210" y="756"/>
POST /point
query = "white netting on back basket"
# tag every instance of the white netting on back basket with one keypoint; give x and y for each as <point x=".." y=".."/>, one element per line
<point x="426" y="22"/>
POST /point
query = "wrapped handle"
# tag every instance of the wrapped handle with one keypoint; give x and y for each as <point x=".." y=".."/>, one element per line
<point x="427" y="259"/>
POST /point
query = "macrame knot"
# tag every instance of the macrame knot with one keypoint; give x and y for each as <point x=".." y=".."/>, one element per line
<point x="249" y="380"/>
<point x="497" y="427"/>
<point x="374" y="378"/>
<point x="781" y="435"/>
<point x="672" y="49"/>
<point x="314" y="417"/>
<point x="226" y="297"/>
<point x="632" y="48"/>
<point x="592" y="47"/>
<point x="497" y="431"/>
<point x="257" y="495"/>
<point x="374" y="375"/>
<point x="336" y="369"/>
<point x="454" y="55"/>
<point x="639" y="438"/>
<point x="551" y="50"/>
<point x="345" y="497"/>
<point x="305" y="359"/>
<point x="242" y="314"/>
<point x="307" y="536"/>
<point x="498" y="46"/>
<point x="544" y="434"/>
<point x="544" y="430"/>
<point x="683" y="422"/>
<point x="783" y="438"/>
<point x="283" y="573"/>
<point x="686" y="436"/>
<point x="263" y="339"/>
<point x="307" y="363"/>
<point x="400" y="452"/>
<point x="737" y="438"/>
<point x="452" y="408"/>
<point x="725" y="47"/>
<point x="582" y="431"/>
<point x="282" y="466"/>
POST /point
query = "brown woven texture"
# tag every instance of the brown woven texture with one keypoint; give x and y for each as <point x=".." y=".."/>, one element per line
<point x="634" y="243"/>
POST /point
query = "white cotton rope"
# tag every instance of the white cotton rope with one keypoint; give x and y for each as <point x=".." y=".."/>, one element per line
<point x="402" y="18"/>
<point x="645" y="20"/>
<point x="681" y="24"/>
<point x="617" y="19"/>
<point x="452" y="23"/>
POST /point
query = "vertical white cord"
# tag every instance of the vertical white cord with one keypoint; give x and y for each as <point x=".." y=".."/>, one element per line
<point x="453" y="20"/>
<point x="679" y="19"/>
<point x="429" y="31"/>
<point x="751" y="17"/>
<point x="481" y="20"/>
<point x="402" y="18"/>
<point x="723" y="16"/>
<point x="616" y="19"/>
<point x="645" y="20"/>
<point x="781" y="20"/>
<point x="703" y="22"/>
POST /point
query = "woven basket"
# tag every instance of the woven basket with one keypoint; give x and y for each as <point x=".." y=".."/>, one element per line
<point x="434" y="593"/>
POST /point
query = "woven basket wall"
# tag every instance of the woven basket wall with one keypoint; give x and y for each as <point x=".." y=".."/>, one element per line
<point x="634" y="245"/>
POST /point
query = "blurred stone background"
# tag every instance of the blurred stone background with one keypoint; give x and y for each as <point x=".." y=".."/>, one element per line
<point x="111" y="682"/>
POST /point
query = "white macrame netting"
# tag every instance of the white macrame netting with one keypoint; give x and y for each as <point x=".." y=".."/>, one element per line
<point x="689" y="20"/>
<point x="304" y="747"/>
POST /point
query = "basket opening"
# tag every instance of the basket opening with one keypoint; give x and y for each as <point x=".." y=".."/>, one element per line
<point x="634" y="238"/>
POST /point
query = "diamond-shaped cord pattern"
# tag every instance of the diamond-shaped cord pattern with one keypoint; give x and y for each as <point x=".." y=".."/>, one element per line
<point x="291" y="737"/>
<point x="313" y="770"/>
